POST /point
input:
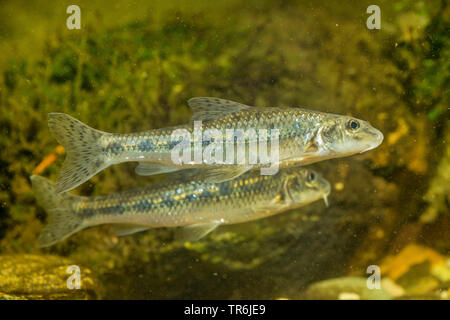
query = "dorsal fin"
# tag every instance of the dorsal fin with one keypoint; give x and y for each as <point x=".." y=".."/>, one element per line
<point x="208" y="108"/>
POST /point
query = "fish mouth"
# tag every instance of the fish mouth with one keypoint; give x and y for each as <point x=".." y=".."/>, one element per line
<point x="376" y="142"/>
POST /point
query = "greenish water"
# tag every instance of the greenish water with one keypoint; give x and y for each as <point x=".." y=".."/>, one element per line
<point x="132" y="67"/>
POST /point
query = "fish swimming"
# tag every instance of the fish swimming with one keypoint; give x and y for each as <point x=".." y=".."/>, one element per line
<point x="304" y="136"/>
<point x="199" y="207"/>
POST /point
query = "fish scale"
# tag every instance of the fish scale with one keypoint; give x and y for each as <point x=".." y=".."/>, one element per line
<point x="196" y="199"/>
<point x="244" y="121"/>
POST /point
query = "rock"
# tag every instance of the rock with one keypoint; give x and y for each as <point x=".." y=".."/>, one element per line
<point x="421" y="271"/>
<point x="345" y="288"/>
<point x="26" y="276"/>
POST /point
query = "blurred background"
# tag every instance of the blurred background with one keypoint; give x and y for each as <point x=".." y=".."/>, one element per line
<point x="133" y="65"/>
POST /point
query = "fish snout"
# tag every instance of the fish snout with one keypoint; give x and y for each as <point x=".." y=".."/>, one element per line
<point x="376" y="138"/>
<point x="379" y="137"/>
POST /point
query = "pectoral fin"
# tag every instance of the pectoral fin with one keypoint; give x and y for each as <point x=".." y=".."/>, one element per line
<point x="195" y="232"/>
<point x="311" y="147"/>
<point x="150" y="168"/>
<point x="276" y="205"/>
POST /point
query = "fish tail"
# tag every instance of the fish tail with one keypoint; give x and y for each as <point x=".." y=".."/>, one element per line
<point x="61" y="216"/>
<point x="84" y="150"/>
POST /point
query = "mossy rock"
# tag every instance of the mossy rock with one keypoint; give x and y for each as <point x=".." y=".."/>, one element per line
<point x="26" y="276"/>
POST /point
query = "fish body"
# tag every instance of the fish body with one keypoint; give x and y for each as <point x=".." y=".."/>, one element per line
<point x="196" y="205"/>
<point x="303" y="137"/>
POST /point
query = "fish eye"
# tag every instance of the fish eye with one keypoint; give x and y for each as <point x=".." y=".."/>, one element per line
<point x="310" y="177"/>
<point x="353" y="124"/>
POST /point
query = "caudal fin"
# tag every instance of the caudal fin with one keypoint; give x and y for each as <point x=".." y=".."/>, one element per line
<point x="61" y="216"/>
<point x="84" y="157"/>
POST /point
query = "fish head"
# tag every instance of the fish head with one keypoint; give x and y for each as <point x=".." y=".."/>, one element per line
<point x="305" y="186"/>
<point x="343" y="135"/>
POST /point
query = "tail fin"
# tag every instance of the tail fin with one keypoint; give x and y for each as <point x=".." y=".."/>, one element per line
<point x="84" y="158"/>
<point x="62" y="218"/>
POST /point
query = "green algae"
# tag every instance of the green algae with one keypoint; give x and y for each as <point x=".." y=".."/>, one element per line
<point x="138" y="73"/>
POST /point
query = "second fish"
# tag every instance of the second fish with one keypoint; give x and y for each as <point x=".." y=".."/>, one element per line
<point x="197" y="206"/>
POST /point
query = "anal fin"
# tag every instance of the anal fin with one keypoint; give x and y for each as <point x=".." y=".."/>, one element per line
<point x="128" y="229"/>
<point x="214" y="175"/>
<point x="195" y="232"/>
<point x="150" y="168"/>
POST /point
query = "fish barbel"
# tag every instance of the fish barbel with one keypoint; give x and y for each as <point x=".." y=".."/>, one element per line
<point x="304" y="136"/>
<point x="197" y="206"/>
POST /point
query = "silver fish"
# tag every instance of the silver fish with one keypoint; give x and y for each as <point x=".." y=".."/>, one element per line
<point x="197" y="206"/>
<point x="305" y="137"/>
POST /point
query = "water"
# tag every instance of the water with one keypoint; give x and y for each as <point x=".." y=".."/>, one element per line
<point x="132" y="67"/>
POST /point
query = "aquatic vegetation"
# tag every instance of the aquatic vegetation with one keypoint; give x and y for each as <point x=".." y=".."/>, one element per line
<point x="438" y="194"/>
<point x="316" y="54"/>
<point x="422" y="52"/>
